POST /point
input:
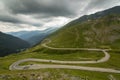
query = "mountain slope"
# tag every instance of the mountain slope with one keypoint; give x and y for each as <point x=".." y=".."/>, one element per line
<point x="10" y="44"/>
<point x="100" y="32"/>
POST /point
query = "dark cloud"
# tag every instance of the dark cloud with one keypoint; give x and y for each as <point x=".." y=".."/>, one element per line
<point x="7" y="18"/>
<point x="54" y="8"/>
<point x="46" y="7"/>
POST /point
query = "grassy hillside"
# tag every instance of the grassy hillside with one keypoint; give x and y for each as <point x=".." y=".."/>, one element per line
<point x="97" y="33"/>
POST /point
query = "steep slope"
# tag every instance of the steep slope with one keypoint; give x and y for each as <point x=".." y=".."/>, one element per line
<point x="33" y="37"/>
<point x="100" y="32"/>
<point x="10" y="44"/>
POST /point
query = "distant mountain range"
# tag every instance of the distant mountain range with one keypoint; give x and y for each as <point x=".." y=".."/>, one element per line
<point x="10" y="44"/>
<point x="33" y="37"/>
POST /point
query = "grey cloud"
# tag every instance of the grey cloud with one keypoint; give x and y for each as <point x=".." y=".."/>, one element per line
<point x="46" y="7"/>
<point x="16" y="19"/>
<point x="45" y="10"/>
<point x="7" y="18"/>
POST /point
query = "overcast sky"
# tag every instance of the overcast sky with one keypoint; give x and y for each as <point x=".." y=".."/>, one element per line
<point x="18" y="15"/>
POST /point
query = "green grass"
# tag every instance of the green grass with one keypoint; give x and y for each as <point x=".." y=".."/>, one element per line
<point x="68" y="54"/>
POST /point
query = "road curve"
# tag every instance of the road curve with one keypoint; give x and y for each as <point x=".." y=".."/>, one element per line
<point x="104" y="59"/>
<point x="107" y="56"/>
<point x="15" y="65"/>
<point x="86" y="49"/>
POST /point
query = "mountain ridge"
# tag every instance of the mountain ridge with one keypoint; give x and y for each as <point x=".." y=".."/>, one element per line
<point x="113" y="10"/>
<point x="10" y="44"/>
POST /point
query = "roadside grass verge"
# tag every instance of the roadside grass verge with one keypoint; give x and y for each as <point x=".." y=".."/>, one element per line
<point x="58" y="74"/>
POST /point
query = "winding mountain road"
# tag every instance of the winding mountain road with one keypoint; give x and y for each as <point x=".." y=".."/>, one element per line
<point x="104" y="59"/>
<point x="16" y="66"/>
